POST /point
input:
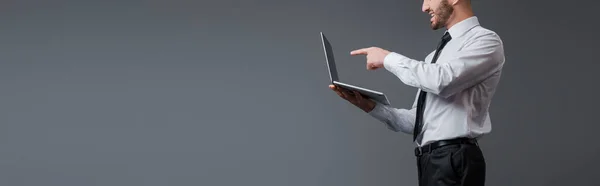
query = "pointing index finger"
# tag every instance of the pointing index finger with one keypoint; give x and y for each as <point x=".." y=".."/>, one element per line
<point x="359" y="51"/>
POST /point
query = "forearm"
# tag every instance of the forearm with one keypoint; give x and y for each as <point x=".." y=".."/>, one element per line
<point x="398" y="120"/>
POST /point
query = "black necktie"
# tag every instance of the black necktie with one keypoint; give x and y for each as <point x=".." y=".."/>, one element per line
<point x="421" y="100"/>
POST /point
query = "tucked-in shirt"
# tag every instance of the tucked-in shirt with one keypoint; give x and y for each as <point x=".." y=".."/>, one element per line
<point x="459" y="85"/>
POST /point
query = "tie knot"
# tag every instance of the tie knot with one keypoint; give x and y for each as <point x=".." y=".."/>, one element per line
<point x="446" y="37"/>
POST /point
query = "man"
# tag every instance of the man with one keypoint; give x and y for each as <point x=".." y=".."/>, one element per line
<point x="456" y="83"/>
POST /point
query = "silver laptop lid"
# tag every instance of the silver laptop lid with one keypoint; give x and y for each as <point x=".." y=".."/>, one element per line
<point x="333" y="76"/>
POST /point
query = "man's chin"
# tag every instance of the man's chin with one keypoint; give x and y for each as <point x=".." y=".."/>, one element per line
<point x="434" y="26"/>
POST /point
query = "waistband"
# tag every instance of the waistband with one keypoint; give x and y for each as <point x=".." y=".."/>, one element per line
<point x="437" y="144"/>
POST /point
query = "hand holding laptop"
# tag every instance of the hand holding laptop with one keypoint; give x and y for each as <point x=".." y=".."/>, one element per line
<point x="365" y="98"/>
<point x="375" y="56"/>
<point x="354" y="97"/>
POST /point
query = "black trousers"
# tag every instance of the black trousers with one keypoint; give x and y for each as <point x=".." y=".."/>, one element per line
<point x="452" y="165"/>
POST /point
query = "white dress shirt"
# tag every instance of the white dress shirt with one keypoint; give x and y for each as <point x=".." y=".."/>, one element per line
<point x="459" y="86"/>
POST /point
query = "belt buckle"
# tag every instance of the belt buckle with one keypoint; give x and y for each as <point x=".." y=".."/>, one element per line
<point x="418" y="151"/>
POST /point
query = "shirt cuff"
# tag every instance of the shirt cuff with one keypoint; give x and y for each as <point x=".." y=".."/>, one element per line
<point x="394" y="60"/>
<point x="379" y="112"/>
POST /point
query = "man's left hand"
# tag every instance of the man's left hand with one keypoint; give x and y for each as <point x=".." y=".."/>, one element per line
<point x="375" y="56"/>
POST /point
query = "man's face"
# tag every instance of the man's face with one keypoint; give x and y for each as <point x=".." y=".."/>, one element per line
<point x="439" y="10"/>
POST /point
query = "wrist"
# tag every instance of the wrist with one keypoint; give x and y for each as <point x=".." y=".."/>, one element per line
<point x="368" y="106"/>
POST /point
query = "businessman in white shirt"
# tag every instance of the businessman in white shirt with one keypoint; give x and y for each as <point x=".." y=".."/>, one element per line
<point x="456" y="83"/>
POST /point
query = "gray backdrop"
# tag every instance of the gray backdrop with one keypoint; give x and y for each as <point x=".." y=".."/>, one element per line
<point x="223" y="93"/>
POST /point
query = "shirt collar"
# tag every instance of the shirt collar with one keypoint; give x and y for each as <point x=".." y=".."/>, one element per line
<point x="463" y="26"/>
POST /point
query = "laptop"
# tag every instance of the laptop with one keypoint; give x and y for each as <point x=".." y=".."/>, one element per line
<point x="333" y="76"/>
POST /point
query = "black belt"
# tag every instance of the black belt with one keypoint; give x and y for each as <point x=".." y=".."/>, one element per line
<point x="434" y="145"/>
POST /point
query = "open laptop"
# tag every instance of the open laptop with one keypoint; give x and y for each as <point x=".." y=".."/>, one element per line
<point x="333" y="76"/>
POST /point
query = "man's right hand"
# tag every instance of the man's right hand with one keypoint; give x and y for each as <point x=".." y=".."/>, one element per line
<point x="355" y="98"/>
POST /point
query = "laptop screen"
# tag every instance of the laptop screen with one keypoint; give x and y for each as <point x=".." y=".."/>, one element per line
<point x="329" y="58"/>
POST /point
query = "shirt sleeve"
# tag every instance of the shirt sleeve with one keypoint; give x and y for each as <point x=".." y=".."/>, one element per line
<point x="469" y="66"/>
<point x="397" y="120"/>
